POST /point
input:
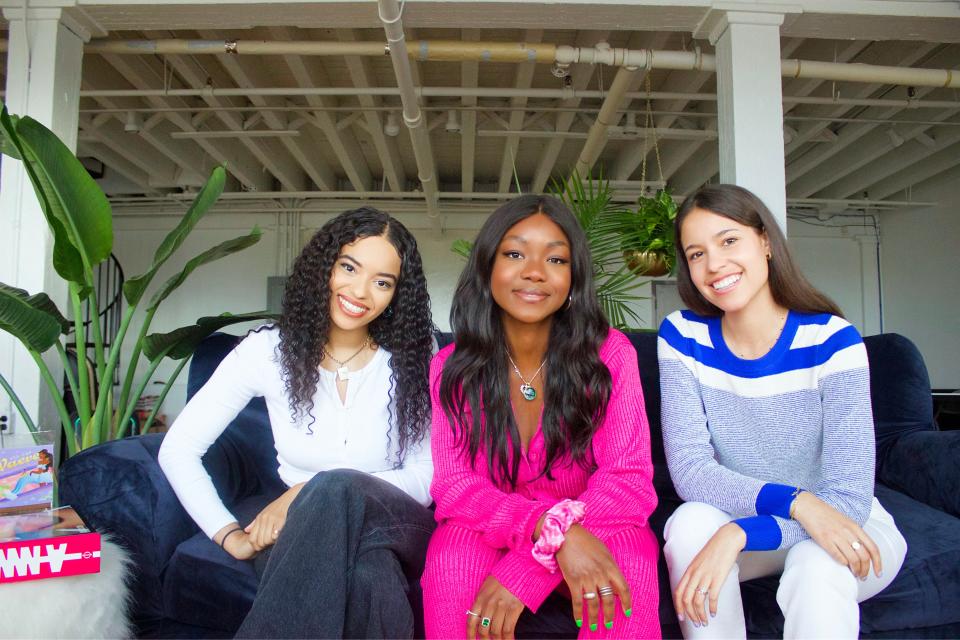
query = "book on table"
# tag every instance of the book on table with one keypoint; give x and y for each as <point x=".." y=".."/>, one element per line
<point x="46" y="544"/>
<point x="26" y="479"/>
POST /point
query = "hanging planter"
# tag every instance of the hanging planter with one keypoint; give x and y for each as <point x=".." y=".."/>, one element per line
<point x="646" y="263"/>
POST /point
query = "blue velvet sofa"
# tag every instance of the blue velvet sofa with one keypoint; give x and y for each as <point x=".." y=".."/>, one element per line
<point x="185" y="586"/>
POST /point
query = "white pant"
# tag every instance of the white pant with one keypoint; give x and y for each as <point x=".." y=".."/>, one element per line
<point x="818" y="595"/>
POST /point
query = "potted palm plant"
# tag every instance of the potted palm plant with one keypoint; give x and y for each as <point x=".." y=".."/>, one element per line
<point x="81" y="223"/>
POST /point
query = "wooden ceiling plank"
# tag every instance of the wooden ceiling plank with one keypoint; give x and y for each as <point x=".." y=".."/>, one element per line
<point x="362" y="76"/>
<point x="238" y="161"/>
<point x="523" y="79"/>
<point x="580" y="76"/>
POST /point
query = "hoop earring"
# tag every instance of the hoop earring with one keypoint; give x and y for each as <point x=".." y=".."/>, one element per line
<point x="769" y="255"/>
<point x="566" y="307"/>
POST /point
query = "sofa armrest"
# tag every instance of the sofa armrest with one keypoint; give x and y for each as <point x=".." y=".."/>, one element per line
<point x="119" y="489"/>
<point x="923" y="465"/>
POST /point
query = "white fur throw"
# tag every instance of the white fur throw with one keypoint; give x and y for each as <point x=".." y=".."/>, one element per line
<point x="86" y="606"/>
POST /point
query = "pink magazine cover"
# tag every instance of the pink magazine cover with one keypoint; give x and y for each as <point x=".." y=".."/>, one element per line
<point x="26" y="479"/>
<point x="46" y="544"/>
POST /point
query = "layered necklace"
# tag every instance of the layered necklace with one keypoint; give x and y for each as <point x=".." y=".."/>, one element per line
<point x="526" y="386"/>
<point x="342" y="372"/>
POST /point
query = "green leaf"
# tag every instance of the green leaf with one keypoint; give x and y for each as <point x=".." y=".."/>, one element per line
<point x="134" y="288"/>
<point x="75" y="207"/>
<point x="222" y="250"/>
<point x="462" y="248"/>
<point x="33" y="320"/>
<point x="180" y="343"/>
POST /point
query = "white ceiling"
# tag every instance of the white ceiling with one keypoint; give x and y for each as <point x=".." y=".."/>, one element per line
<point x="334" y="144"/>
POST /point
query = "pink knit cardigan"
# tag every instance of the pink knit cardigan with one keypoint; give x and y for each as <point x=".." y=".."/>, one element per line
<point x="618" y="494"/>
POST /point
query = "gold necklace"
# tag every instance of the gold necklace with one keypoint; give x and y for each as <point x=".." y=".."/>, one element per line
<point x="342" y="372"/>
<point x="783" y="323"/>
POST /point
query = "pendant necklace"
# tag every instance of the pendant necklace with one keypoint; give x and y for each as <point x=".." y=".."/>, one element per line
<point x="526" y="388"/>
<point x="342" y="372"/>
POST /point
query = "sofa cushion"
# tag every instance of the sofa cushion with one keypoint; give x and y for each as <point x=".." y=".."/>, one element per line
<point x="925" y="593"/>
<point x="222" y="598"/>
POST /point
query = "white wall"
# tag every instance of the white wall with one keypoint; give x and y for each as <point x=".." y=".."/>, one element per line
<point x="921" y="276"/>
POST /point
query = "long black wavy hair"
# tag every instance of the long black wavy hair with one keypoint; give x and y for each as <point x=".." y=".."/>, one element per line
<point x="476" y="377"/>
<point x="405" y="328"/>
<point x="787" y="284"/>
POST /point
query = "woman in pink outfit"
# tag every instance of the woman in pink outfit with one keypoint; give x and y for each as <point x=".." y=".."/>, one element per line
<point x="542" y="472"/>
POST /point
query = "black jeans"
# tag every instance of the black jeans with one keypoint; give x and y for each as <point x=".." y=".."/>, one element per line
<point x="346" y="565"/>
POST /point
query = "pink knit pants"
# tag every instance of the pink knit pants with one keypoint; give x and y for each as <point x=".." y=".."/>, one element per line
<point x="458" y="561"/>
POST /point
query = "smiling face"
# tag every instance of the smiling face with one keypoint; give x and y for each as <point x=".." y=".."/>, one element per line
<point x="727" y="260"/>
<point x="530" y="279"/>
<point x="362" y="282"/>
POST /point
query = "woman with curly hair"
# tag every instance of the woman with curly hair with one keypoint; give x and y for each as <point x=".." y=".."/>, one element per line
<point x="344" y="377"/>
<point x="543" y="479"/>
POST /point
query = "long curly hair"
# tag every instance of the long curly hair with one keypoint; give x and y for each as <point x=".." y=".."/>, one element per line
<point x="405" y="328"/>
<point x="787" y="284"/>
<point x="476" y="377"/>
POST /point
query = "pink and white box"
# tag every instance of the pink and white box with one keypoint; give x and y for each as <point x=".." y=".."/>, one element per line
<point x="49" y="544"/>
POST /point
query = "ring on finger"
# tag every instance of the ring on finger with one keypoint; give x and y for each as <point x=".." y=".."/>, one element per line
<point x="471" y="613"/>
<point x="484" y="622"/>
<point x="703" y="591"/>
<point x="605" y="591"/>
<point x="589" y="595"/>
<point x="856" y="545"/>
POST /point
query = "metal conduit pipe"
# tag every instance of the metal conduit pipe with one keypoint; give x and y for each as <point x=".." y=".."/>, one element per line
<point x="609" y="115"/>
<point x="486" y="92"/>
<point x="452" y="50"/>
<point x="419" y="133"/>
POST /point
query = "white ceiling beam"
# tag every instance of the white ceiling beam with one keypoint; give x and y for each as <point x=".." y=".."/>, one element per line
<point x="927" y="168"/>
<point x="523" y="79"/>
<point x="810" y="130"/>
<point x="580" y="76"/>
<point x="807" y="87"/>
<point x="694" y="175"/>
<point x="129" y="146"/>
<point x="343" y="143"/>
<point x="269" y="153"/>
<point x="387" y="150"/>
<point x="116" y="162"/>
<point x="882" y="139"/>
<point x="143" y="73"/>
<point x="469" y="78"/>
<point x="249" y="74"/>
<point x="891" y="164"/>
<point x="818" y="155"/>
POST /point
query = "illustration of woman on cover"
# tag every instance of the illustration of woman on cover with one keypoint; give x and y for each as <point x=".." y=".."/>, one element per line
<point x="42" y="474"/>
<point x="768" y="433"/>
<point x="344" y="375"/>
<point x="543" y="478"/>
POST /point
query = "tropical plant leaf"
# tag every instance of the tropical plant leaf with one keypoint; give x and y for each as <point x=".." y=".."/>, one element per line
<point x="180" y="343"/>
<point x="75" y="207"/>
<point x="462" y="248"/>
<point x="134" y="288"/>
<point x="33" y="320"/>
<point x="222" y="250"/>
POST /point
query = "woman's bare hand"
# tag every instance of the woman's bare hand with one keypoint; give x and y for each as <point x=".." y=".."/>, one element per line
<point x="588" y="567"/>
<point x="266" y="527"/>
<point x="495" y="603"/>
<point x="706" y="573"/>
<point x="838" y="535"/>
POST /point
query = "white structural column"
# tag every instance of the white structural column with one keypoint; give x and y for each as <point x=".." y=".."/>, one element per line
<point x="43" y="81"/>
<point x="750" y="105"/>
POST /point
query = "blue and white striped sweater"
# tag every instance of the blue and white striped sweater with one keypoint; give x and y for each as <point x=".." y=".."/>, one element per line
<point x="743" y="434"/>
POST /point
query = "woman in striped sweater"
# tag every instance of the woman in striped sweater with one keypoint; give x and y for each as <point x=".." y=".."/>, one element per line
<point x="542" y="472"/>
<point x="768" y="433"/>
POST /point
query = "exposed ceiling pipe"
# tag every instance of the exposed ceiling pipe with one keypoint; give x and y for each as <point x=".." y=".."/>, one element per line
<point x="390" y="15"/>
<point x="452" y="50"/>
<point x="491" y="92"/>
<point x="609" y="115"/>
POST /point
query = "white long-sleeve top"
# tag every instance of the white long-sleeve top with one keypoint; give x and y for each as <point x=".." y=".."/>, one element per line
<point x="357" y="433"/>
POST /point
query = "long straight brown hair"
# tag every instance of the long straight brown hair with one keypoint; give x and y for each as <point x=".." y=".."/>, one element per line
<point x="788" y="286"/>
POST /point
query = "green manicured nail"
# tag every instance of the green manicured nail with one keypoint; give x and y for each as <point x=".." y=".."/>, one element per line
<point x="579" y="623"/>
<point x="593" y="626"/>
<point x="628" y="612"/>
<point x="608" y="624"/>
